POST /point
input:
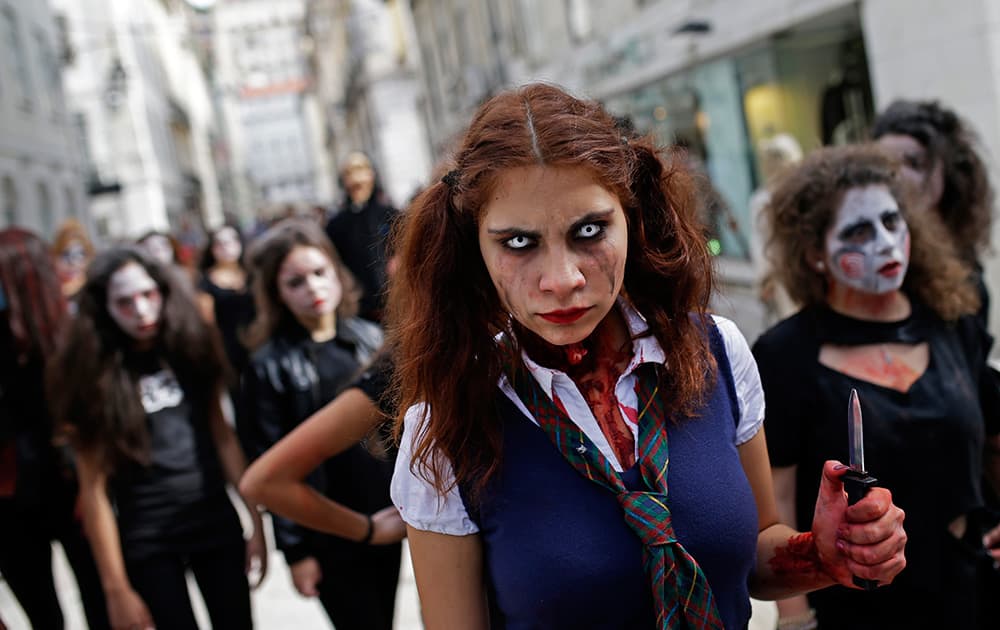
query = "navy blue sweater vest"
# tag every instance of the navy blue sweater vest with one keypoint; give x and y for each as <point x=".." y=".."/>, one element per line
<point x="558" y="553"/>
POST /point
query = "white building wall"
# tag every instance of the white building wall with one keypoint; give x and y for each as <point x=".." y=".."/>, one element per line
<point x="133" y="144"/>
<point x="261" y="78"/>
<point x="41" y="171"/>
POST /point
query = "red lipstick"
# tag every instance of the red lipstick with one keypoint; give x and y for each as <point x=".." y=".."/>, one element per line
<point x="891" y="270"/>
<point x="564" y="316"/>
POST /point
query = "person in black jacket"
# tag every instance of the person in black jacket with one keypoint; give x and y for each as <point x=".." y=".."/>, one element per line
<point x="360" y="232"/>
<point x="37" y="482"/>
<point x="308" y="348"/>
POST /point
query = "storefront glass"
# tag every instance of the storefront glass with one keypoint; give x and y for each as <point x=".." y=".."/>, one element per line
<point x="804" y="88"/>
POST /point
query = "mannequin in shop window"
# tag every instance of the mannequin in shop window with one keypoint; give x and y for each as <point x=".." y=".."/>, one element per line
<point x="776" y="154"/>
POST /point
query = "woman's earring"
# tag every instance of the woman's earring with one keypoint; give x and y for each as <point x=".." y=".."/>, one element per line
<point x="820" y="267"/>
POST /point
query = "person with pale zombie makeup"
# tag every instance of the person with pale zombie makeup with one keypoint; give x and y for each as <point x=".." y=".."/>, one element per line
<point x="360" y="231"/>
<point x="38" y="488"/>
<point x="307" y="348"/>
<point x="581" y="442"/>
<point x="72" y="252"/>
<point x="136" y="387"/>
<point x="940" y="161"/>
<point x="225" y="292"/>
<point x="161" y="246"/>
<point x="887" y="310"/>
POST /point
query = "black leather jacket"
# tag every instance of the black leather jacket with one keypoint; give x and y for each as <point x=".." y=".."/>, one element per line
<point x="288" y="379"/>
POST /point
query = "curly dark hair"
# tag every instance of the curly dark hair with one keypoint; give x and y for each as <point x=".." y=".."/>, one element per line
<point x="802" y="209"/>
<point x="94" y="392"/>
<point x="444" y="311"/>
<point x="966" y="204"/>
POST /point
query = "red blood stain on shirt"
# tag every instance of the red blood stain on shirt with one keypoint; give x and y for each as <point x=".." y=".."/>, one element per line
<point x="596" y="380"/>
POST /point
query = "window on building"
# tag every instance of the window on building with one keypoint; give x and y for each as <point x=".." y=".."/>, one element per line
<point x="70" y="201"/>
<point x="49" y="72"/>
<point x="9" y="192"/>
<point x="45" y="208"/>
<point x="16" y="56"/>
<point x="578" y="20"/>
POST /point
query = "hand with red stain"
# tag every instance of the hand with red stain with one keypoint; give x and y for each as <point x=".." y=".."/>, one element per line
<point x="991" y="542"/>
<point x="866" y="539"/>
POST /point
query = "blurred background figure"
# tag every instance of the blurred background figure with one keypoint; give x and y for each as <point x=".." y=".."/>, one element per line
<point x="137" y="387"/>
<point x="225" y="294"/>
<point x="72" y="252"/>
<point x="939" y="158"/>
<point x="38" y="489"/>
<point x="896" y="321"/>
<point x="360" y="231"/>
<point x="307" y="348"/>
<point x="161" y="246"/>
<point x="777" y="154"/>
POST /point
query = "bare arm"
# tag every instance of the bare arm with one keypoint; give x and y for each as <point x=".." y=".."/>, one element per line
<point x="206" y="306"/>
<point x="125" y="608"/>
<point x="865" y="539"/>
<point x="449" y="574"/>
<point x="275" y="480"/>
<point x="230" y="452"/>
<point x="233" y="465"/>
<point x="784" y="491"/>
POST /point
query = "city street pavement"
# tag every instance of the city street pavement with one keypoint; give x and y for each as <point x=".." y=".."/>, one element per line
<point x="276" y="604"/>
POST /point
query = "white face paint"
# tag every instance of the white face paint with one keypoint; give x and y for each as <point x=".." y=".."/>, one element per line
<point x="308" y="284"/>
<point x="868" y="245"/>
<point x="135" y="302"/>
<point x="226" y="245"/>
<point x="158" y="246"/>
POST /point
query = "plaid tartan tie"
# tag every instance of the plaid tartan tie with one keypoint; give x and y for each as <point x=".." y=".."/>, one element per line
<point x="681" y="593"/>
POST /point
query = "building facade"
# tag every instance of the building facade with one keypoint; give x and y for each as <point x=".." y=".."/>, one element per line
<point x="41" y="170"/>
<point x="142" y="112"/>
<point x="368" y="88"/>
<point x="263" y="82"/>
<point x="722" y="79"/>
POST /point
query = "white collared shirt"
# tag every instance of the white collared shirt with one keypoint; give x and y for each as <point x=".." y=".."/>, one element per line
<point x="422" y="507"/>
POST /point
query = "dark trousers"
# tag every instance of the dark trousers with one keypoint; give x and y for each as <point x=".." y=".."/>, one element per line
<point x="161" y="582"/>
<point x="359" y="583"/>
<point x="26" y="536"/>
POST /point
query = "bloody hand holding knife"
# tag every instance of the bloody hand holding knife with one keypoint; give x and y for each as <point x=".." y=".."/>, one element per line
<point x="857" y="481"/>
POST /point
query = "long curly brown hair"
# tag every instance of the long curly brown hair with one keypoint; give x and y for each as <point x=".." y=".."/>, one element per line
<point x="966" y="204"/>
<point x="444" y="312"/>
<point x="802" y="209"/>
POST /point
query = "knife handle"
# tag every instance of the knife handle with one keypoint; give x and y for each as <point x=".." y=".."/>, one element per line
<point x="857" y="484"/>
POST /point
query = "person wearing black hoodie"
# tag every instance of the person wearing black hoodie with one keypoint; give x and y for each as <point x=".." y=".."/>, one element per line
<point x="360" y="230"/>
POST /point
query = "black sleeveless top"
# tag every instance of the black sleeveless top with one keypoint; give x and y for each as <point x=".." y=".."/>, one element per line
<point x="925" y="445"/>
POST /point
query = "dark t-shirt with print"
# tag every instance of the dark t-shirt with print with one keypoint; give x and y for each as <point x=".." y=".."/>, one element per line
<point x="178" y="503"/>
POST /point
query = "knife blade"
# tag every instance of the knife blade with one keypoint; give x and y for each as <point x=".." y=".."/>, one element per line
<point x="857" y="481"/>
<point x="855" y="433"/>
